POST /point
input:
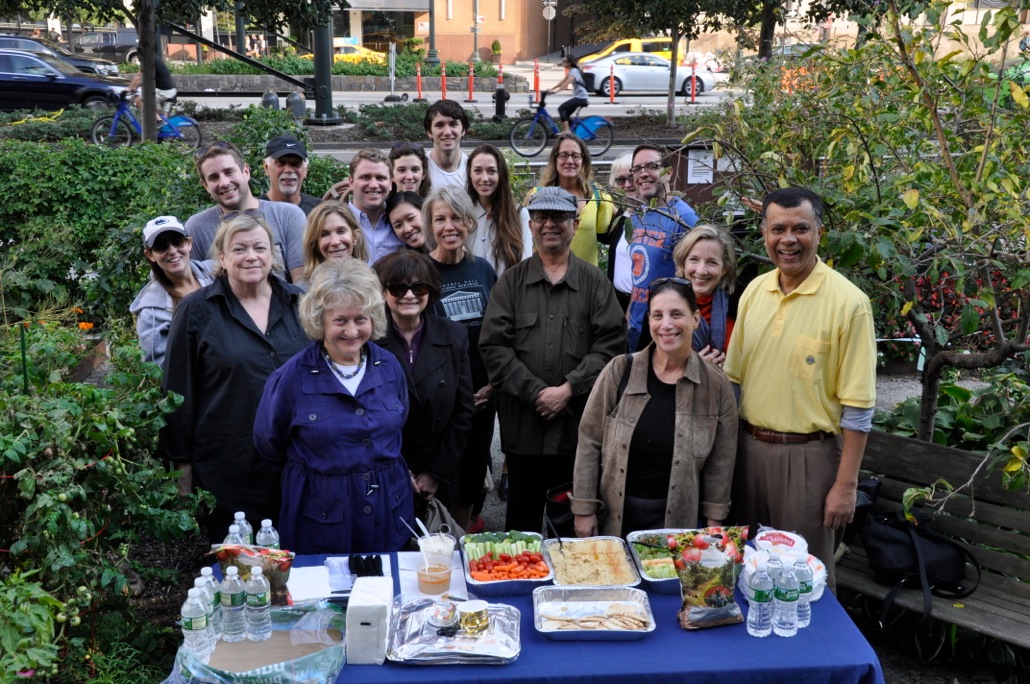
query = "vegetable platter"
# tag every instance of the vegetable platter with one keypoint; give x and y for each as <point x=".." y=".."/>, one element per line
<point x="504" y="563"/>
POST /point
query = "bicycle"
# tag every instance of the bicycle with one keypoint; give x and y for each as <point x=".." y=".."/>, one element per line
<point x="529" y="136"/>
<point x="123" y="128"/>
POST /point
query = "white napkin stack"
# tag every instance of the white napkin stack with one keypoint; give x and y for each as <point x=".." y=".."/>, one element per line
<point x="368" y="620"/>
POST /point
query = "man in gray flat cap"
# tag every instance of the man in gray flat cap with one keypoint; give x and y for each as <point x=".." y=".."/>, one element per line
<point x="551" y="325"/>
<point x="286" y="165"/>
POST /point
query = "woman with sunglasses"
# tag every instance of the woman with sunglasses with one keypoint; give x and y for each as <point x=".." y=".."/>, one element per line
<point x="173" y="275"/>
<point x="569" y="167"/>
<point x="332" y="232"/>
<point x="225" y="341"/>
<point x="466" y="282"/>
<point x="502" y="234"/>
<point x="404" y="212"/>
<point x="433" y="352"/>
<point x="658" y="438"/>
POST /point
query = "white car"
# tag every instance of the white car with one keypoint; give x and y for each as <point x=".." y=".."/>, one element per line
<point x="642" y="72"/>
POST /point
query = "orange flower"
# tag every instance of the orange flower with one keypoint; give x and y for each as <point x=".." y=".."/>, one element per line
<point x="85" y="326"/>
<point x="78" y="310"/>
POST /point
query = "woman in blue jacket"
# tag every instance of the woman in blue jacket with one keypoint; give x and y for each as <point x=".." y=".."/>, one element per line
<point x="331" y="418"/>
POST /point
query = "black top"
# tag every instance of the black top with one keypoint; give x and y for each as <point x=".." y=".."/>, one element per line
<point x="465" y="290"/>
<point x="650" y="450"/>
<point x="162" y="77"/>
<point x="218" y="360"/>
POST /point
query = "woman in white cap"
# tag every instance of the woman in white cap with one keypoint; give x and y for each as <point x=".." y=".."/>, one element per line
<point x="173" y="275"/>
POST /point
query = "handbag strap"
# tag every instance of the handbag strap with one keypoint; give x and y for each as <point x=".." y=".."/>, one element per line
<point x="962" y="592"/>
<point x="888" y="600"/>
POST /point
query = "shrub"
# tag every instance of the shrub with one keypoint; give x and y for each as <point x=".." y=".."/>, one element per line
<point x="40" y="126"/>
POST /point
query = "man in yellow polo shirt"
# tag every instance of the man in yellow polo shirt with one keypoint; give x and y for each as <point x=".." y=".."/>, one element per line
<point x="803" y="353"/>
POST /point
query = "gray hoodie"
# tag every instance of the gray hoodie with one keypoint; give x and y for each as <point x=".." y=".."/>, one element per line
<point x="153" y="311"/>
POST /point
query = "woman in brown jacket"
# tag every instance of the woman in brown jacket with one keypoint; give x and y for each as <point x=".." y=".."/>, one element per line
<point x="661" y="463"/>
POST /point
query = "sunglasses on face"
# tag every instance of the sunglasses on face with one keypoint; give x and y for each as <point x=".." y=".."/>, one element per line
<point x="401" y="289"/>
<point x="622" y="180"/>
<point x="164" y="242"/>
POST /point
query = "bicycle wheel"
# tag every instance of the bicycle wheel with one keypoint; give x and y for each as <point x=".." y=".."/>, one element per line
<point x="102" y="132"/>
<point x="189" y="136"/>
<point x="600" y="139"/>
<point x="528" y="137"/>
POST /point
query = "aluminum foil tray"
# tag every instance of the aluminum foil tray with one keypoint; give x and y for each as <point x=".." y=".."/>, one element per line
<point x="575" y="613"/>
<point x="553" y="546"/>
<point x="504" y="587"/>
<point x="669" y="585"/>
<point x="413" y="640"/>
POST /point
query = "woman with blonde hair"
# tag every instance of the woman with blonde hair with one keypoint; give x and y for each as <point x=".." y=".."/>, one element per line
<point x="225" y="340"/>
<point x="706" y="257"/>
<point x="569" y="167"/>
<point x="330" y="422"/>
<point x="332" y="232"/>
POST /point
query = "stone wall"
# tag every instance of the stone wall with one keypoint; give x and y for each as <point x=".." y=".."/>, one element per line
<point x="237" y="83"/>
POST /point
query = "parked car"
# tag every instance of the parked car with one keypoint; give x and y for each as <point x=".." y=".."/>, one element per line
<point x="120" y="45"/>
<point x="354" y="53"/>
<point x="660" y="46"/>
<point x="86" y="64"/>
<point x="641" y="72"/>
<point x="32" y="80"/>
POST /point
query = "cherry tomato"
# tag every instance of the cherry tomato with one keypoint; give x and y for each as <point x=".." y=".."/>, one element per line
<point x="505" y="557"/>
<point x="701" y="543"/>
<point x="679" y="564"/>
<point x="671" y="540"/>
<point x="692" y="555"/>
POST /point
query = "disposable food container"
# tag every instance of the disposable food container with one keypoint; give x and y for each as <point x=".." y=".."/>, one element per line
<point x="555" y="546"/>
<point x="569" y="613"/>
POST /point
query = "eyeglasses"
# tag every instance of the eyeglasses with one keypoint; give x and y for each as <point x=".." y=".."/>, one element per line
<point x="622" y="180"/>
<point x="640" y="168"/>
<point x="252" y="213"/>
<point x="220" y="145"/>
<point x="401" y="289"/>
<point x="574" y="156"/>
<point x="539" y="218"/>
<point x="168" y="239"/>
<point x="675" y="281"/>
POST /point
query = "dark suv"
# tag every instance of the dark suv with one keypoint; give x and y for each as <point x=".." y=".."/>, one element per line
<point x="32" y="80"/>
<point x="89" y="65"/>
<point x="120" y="45"/>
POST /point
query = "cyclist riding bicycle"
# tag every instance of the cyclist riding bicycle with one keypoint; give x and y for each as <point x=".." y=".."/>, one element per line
<point x="579" y="91"/>
<point x="164" y="86"/>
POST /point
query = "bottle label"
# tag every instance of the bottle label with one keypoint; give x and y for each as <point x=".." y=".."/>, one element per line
<point x="233" y="600"/>
<point x="805" y="587"/>
<point x="784" y="594"/>
<point x="258" y="600"/>
<point x="761" y="595"/>
<point x="218" y="597"/>
<point x="194" y="624"/>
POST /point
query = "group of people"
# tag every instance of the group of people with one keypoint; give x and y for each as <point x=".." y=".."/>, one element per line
<point x="343" y="362"/>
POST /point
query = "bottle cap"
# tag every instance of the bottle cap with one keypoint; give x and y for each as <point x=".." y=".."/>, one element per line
<point x="234" y="529"/>
<point x="231" y="570"/>
<point x="206" y="571"/>
<point x="200" y="582"/>
<point x="239" y="515"/>
<point x="256" y="572"/>
<point x="193" y="593"/>
<point x="266" y="523"/>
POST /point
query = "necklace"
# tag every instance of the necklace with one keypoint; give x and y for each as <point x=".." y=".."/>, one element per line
<point x="345" y="376"/>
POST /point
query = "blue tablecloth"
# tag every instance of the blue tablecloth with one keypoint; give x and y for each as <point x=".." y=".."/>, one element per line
<point x="830" y="650"/>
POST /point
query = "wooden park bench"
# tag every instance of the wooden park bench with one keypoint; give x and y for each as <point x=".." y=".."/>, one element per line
<point x="993" y="524"/>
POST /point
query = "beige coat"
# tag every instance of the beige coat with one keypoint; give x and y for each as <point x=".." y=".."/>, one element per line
<point x="705" y="443"/>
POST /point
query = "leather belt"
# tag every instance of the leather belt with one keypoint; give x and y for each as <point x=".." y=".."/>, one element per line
<point x="773" y="437"/>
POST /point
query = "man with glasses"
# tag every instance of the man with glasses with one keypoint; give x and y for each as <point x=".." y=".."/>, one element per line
<point x="446" y="123"/>
<point x="657" y="228"/>
<point x="286" y="165"/>
<point x="803" y="354"/>
<point x="226" y="177"/>
<point x="551" y="325"/>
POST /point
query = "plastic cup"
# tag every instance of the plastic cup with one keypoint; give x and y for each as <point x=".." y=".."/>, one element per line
<point x="474" y="617"/>
<point x="434" y="575"/>
<point x="438" y="544"/>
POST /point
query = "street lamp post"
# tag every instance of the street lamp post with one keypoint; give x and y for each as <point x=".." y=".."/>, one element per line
<point x="475" y="31"/>
<point x="432" y="59"/>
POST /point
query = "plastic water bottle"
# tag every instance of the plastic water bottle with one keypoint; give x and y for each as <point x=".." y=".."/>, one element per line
<point x="760" y="589"/>
<point x="234" y="536"/>
<point x="208" y="598"/>
<point x="259" y="606"/>
<point x="215" y="593"/>
<point x="785" y="604"/>
<point x="234" y="597"/>
<point x="246" y="529"/>
<point x="196" y="632"/>
<point x="267" y="536"/>
<point x="775" y="567"/>
<point x="804" y="575"/>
